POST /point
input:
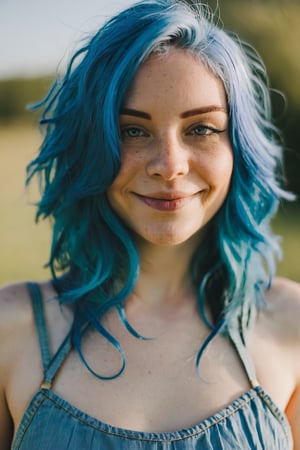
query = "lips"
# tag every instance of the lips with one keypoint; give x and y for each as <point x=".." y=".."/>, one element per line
<point x="166" y="201"/>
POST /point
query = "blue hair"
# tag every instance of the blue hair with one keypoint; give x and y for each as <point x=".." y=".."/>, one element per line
<point x="80" y="157"/>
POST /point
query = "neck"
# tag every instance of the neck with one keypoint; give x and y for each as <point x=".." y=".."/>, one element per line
<point x="164" y="278"/>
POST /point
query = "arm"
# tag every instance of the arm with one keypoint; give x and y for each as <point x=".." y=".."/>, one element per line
<point x="280" y="335"/>
<point x="293" y="409"/>
<point x="293" y="414"/>
<point x="10" y="325"/>
<point x="291" y="300"/>
<point x="6" y="425"/>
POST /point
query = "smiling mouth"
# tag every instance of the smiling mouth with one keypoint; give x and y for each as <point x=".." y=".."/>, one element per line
<point x="166" y="204"/>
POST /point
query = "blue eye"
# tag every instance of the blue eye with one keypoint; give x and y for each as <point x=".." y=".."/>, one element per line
<point x="201" y="130"/>
<point x="132" y="132"/>
<point x="204" y="130"/>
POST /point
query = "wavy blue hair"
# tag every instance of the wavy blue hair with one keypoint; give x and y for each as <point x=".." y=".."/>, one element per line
<point x="80" y="157"/>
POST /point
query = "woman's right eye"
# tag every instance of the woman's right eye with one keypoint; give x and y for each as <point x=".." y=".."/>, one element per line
<point x="132" y="132"/>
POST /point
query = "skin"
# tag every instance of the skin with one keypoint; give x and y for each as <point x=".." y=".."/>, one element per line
<point x="175" y="175"/>
<point x="175" y="148"/>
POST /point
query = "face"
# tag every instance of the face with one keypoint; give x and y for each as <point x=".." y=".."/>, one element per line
<point x="176" y="156"/>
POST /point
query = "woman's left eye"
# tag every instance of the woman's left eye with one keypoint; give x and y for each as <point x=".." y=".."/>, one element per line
<point x="204" y="130"/>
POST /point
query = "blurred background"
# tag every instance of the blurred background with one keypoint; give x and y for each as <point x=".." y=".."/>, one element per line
<point x="36" y="39"/>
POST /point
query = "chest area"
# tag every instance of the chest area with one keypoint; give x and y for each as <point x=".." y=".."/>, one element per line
<point x="246" y="423"/>
<point x="160" y="378"/>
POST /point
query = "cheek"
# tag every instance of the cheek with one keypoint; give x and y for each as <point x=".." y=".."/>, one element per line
<point x="224" y="166"/>
<point x="132" y="162"/>
<point x="132" y="159"/>
<point x="217" y="167"/>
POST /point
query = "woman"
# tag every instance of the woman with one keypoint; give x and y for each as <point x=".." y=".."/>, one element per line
<point x="160" y="169"/>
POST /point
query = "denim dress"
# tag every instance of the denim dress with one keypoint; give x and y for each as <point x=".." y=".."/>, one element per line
<point x="250" y="422"/>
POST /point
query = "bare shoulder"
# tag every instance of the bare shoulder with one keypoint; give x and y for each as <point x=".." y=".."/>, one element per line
<point x="18" y="334"/>
<point x="16" y="321"/>
<point x="284" y="288"/>
<point x="278" y="328"/>
<point x="284" y="315"/>
<point x="283" y="299"/>
<point x="284" y="291"/>
<point x="16" y="312"/>
<point x="16" y="318"/>
<point x="21" y="376"/>
<point x="15" y="309"/>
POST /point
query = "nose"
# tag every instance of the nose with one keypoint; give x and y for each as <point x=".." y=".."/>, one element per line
<point x="169" y="159"/>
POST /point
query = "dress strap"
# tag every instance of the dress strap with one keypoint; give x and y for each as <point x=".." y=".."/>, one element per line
<point x="236" y="338"/>
<point x="57" y="362"/>
<point x="51" y="364"/>
<point x="40" y="322"/>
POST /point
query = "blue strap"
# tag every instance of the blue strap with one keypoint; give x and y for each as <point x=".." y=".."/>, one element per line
<point x="57" y="362"/>
<point x="238" y="343"/>
<point x="50" y="365"/>
<point x="40" y="322"/>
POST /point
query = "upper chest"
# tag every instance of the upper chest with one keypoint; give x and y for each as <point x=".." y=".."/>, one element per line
<point x="159" y="379"/>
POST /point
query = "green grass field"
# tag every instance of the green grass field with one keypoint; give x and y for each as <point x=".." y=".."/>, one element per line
<point x="24" y="245"/>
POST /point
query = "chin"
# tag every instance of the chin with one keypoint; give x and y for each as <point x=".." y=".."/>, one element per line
<point x="169" y="238"/>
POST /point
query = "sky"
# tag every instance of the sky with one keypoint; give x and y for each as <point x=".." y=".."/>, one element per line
<point x="35" y="35"/>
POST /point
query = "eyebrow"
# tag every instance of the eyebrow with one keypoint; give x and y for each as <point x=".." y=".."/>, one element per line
<point x="203" y="110"/>
<point x="192" y="112"/>
<point x="135" y="113"/>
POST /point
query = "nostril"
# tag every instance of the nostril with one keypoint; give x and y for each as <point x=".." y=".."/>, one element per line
<point x="168" y="169"/>
<point x="168" y="162"/>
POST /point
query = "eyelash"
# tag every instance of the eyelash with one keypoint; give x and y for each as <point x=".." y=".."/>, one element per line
<point x="208" y="130"/>
<point x="126" y="130"/>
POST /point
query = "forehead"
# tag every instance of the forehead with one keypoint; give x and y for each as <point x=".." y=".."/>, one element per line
<point x="179" y="75"/>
